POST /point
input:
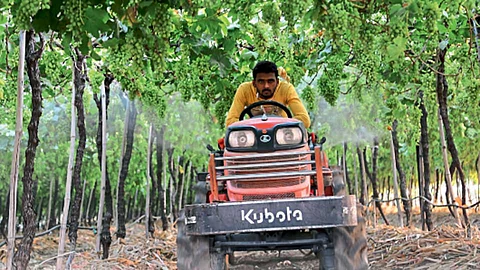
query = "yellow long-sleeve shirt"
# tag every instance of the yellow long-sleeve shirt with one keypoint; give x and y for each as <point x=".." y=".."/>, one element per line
<point x="285" y="93"/>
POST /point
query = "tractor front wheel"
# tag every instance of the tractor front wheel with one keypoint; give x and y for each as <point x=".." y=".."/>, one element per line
<point x="194" y="251"/>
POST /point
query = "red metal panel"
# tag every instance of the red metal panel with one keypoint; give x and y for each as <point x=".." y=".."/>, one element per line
<point x="318" y="164"/>
<point x="213" y="177"/>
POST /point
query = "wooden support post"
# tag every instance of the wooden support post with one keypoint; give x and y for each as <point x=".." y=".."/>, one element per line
<point x="448" y="176"/>
<point x="12" y="213"/>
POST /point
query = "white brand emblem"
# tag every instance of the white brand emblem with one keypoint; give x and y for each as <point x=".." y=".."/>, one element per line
<point x="252" y="217"/>
<point x="265" y="138"/>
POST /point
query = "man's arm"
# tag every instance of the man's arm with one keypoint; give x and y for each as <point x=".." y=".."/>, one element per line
<point x="238" y="105"/>
<point x="296" y="105"/>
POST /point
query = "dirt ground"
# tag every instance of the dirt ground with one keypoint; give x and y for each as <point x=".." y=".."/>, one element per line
<point x="389" y="247"/>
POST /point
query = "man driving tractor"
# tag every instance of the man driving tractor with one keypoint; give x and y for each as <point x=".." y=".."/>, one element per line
<point x="269" y="187"/>
<point x="266" y="86"/>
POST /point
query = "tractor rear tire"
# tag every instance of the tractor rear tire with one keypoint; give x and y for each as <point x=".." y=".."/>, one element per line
<point x="194" y="252"/>
<point x="350" y="243"/>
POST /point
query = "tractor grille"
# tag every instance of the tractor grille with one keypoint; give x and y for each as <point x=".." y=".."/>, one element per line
<point x="266" y="197"/>
<point x="266" y="165"/>
<point x="269" y="184"/>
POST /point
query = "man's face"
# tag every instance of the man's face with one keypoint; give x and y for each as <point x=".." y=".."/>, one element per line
<point x="265" y="83"/>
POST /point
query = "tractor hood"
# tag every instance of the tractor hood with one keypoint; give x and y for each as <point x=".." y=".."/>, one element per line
<point x="259" y="123"/>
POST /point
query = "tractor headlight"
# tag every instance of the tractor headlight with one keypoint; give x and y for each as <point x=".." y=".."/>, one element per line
<point x="289" y="136"/>
<point x="241" y="138"/>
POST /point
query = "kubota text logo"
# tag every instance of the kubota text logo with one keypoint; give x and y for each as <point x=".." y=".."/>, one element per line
<point x="251" y="217"/>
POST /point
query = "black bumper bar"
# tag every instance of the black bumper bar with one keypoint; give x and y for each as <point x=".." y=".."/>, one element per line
<point x="271" y="215"/>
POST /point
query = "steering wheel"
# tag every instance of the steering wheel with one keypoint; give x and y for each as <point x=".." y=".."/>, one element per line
<point x="248" y="109"/>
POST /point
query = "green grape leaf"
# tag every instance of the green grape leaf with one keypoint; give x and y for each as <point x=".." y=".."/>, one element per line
<point x="229" y="44"/>
<point x="95" y="55"/>
<point x="3" y="19"/>
<point x="95" y="21"/>
<point x="407" y="101"/>
<point x="45" y="21"/>
<point x="471" y="133"/>
<point x="249" y="55"/>
<point x="84" y="46"/>
<point x="398" y="114"/>
<point x="66" y="41"/>
<point x="397" y="9"/>
<point x="441" y="28"/>
<point x="145" y="4"/>
<point x="111" y="42"/>
<point x="396" y="49"/>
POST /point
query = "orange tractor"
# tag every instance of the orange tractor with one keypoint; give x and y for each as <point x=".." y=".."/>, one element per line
<point x="269" y="187"/>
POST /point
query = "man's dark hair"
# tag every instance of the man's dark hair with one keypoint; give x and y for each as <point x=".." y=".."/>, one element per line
<point x="265" y="67"/>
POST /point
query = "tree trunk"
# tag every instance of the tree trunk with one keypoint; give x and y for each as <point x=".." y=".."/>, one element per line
<point x="81" y="215"/>
<point x="442" y="93"/>
<point x="355" y="169"/>
<point x="345" y="170"/>
<point x="477" y="166"/>
<point x="104" y="220"/>
<point x="122" y="154"/>
<point x="129" y="207"/>
<point x="437" y="184"/>
<point x="424" y="143"/>
<point x="362" y="177"/>
<point x="80" y="79"/>
<point x="448" y="191"/>
<point x="412" y="180"/>
<point x="134" y="207"/>
<point x="161" y="191"/>
<point x="173" y="181"/>
<point x="187" y="184"/>
<point x="39" y="213"/>
<point x="403" y="182"/>
<point x="56" y="205"/>
<point x="106" y="237"/>
<point x="181" y="184"/>
<point x="91" y="198"/>
<point x="22" y="256"/>
<point x="374" y="179"/>
<point x="395" y="181"/>
<point x="5" y="216"/>
<point x="420" y="183"/>
<point x="384" y="188"/>
<point x="121" y="231"/>
<point x="388" y="188"/>
<point x="148" y="221"/>
<point x="155" y="182"/>
<point x="51" y="206"/>
<point x="180" y="170"/>
<point x="151" y="179"/>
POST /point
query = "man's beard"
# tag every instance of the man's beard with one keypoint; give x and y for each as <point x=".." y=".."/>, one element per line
<point x="265" y="93"/>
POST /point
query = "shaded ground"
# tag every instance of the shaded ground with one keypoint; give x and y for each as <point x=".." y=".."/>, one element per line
<point x="446" y="247"/>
